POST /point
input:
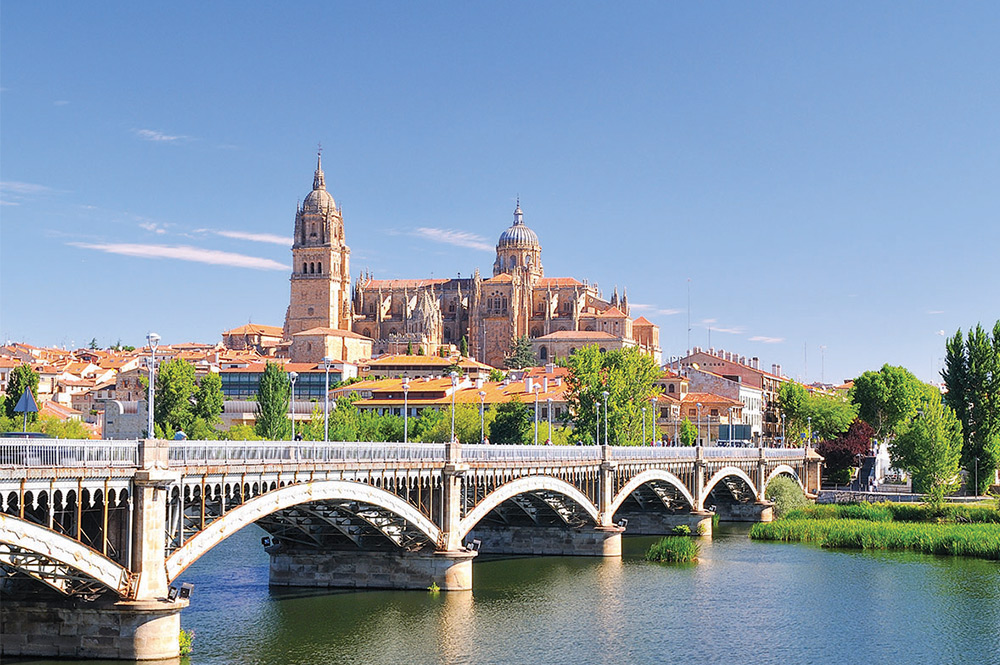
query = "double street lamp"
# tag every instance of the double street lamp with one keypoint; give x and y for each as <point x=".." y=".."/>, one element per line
<point x="699" y="422"/>
<point x="548" y="400"/>
<point x="537" y="389"/>
<point x="153" y="339"/>
<point x="482" y="416"/>
<point x="291" y="378"/>
<point x="326" y="400"/>
<point x="454" y="389"/>
<point x="605" y="393"/>
<point x="406" y="409"/>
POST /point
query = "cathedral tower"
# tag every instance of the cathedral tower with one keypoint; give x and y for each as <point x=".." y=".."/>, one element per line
<point x="320" y="293"/>
<point x="518" y="249"/>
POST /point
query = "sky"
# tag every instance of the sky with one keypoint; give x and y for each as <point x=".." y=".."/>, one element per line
<point x="813" y="184"/>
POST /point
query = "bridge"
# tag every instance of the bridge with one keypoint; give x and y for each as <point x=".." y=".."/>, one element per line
<point x="94" y="534"/>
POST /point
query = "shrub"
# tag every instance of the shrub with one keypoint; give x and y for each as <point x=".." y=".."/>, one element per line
<point x="676" y="549"/>
<point x="186" y="638"/>
<point x="786" y="495"/>
<point x="681" y="530"/>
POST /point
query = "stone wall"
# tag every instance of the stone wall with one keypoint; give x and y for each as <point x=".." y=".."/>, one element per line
<point x="548" y="540"/>
<point x="662" y="524"/>
<point x="451" y="571"/>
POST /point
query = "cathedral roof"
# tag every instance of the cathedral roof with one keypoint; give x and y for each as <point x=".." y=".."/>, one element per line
<point x="318" y="200"/>
<point x="559" y="281"/>
<point x="517" y="235"/>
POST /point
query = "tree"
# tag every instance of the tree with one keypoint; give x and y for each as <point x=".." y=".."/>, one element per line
<point x="841" y="453"/>
<point x="972" y="377"/>
<point x="887" y="398"/>
<point x="209" y="399"/>
<point x="409" y="348"/>
<point x="463" y="347"/>
<point x="93" y="344"/>
<point x="496" y="375"/>
<point x="175" y="389"/>
<point x="627" y="375"/>
<point x="21" y="378"/>
<point x="827" y="415"/>
<point x="521" y="355"/>
<point x="512" y="424"/>
<point x="273" y="393"/>
<point x="930" y="448"/>
<point x="688" y="433"/>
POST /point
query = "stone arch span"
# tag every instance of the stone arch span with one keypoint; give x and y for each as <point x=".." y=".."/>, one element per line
<point x="724" y="472"/>
<point x="786" y="470"/>
<point x="649" y="476"/>
<point x="286" y="497"/>
<point x="63" y="550"/>
<point x="525" y="485"/>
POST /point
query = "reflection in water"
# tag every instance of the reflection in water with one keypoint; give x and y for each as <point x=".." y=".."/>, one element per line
<point x="456" y="629"/>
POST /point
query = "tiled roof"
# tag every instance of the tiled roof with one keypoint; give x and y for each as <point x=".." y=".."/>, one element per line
<point x="255" y="329"/>
<point x="330" y="332"/>
<point x="642" y="321"/>
<point x="402" y="283"/>
<point x="559" y="281"/>
<point x="593" y="335"/>
<point x="613" y="312"/>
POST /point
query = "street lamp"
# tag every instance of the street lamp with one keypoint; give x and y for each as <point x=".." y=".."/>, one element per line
<point x="783" y="444"/>
<point x="699" y="422"/>
<point x="482" y="416"/>
<point x="549" y="401"/>
<point x="291" y="378"/>
<point x="536" y="390"/>
<point x="652" y="420"/>
<point x="643" y="425"/>
<point x="605" y="393"/>
<point x="153" y="339"/>
<point x="597" y="405"/>
<point x="326" y="400"/>
<point x="809" y="440"/>
<point x="406" y="409"/>
<point x="732" y="433"/>
<point x="454" y="389"/>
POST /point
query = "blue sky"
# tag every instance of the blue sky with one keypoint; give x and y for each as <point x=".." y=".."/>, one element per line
<point x="825" y="175"/>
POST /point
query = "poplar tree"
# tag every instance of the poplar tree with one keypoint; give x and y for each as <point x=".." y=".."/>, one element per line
<point x="21" y="378"/>
<point x="273" y="393"/>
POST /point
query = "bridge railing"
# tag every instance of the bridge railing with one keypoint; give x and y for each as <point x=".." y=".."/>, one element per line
<point x="68" y="453"/>
<point x="504" y="453"/>
<point x="652" y="452"/>
<point x="212" y="453"/>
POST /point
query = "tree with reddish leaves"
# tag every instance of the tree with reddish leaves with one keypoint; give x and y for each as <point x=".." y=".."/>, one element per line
<point x="842" y="453"/>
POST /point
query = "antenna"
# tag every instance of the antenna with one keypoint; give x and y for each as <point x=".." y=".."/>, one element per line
<point x="689" y="317"/>
<point x="822" y="364"/>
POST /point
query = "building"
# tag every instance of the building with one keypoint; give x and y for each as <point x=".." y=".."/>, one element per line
<point x="240" y="383"/>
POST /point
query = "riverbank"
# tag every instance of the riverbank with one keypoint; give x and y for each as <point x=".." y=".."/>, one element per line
<point x="970" y="531"/>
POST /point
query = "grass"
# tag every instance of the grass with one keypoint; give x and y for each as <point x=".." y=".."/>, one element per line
<point x="186" y="638"/>
<point x="674" y="549"/>
<point x="898" y="512"/>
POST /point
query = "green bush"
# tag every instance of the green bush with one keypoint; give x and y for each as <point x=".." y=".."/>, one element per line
<point x="675" y="549"/>
<point x="786" y="495"/>
<point x="186" y="641"/>
<point x="681" y="530"/>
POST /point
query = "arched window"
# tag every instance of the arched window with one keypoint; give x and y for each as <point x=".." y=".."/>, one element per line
<point x="513" y="261"/>
<point x="305" y="267"/>
<point x="670" y="388"/>
<point x="603" y="350"/>
<point x="535" y="332"/>
<point x="572" y="350"/>
<point x="319" y="269"/>
<point x="543" y="353"/>
<point x="312" y="268"/>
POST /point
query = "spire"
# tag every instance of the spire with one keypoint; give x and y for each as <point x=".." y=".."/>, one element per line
<point x="318" y="180"/>
<point x="518" y="215"/>
<point x="614" y="298"/>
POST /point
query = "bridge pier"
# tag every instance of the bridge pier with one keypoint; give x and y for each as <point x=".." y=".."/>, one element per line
<point x="758" y="511"/>
<point x="68" y="628"/>
<point x="661" y="524"/>
<point x="602" y="541"/>
<point x="449" y="570"/>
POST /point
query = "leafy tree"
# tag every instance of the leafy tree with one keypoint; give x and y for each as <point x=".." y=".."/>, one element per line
<point x="21" y="378"/>
<point x="273" y="392"/>
<point x="512" y="424"/>
<point x="930" y="447"/>
<point x="420" y="351"/>
<point x="688" y="433"/>
<point x="496" y="375"/>
<point x="521" y="355"/>
<point x="841" y="453"/>
<point x="427" y="424"/>
<point x="175" y="390"/>
<point x="627" y="376"/>
<point x="437" y="428"/>
<point x="786" y="495"/>
<point x="827" y="415"/>
<point x="63" y="429"/>
<point x="409" y="348"/>
<point x="463" y="347"/>
<point x="887" y="398"/>
<point x="241" y="432"/>
<point x="93" y="344"/>
<point x="972" y="376"/>
<point x="209" y="399"/>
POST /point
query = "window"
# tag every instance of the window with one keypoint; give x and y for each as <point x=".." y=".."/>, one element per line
<point x="319" y="269"/>
<point x="670" y="388"/>
<point x="543" y="354"/>
<point x="305" y="269"/>
<point x="713" y="412"/>
<point x="312" y="268"/>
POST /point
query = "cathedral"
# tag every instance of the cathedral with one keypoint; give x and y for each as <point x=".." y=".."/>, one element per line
<point x="559" y="314"/>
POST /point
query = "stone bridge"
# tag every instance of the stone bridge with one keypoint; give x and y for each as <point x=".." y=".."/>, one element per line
<point x="93" y="534"/>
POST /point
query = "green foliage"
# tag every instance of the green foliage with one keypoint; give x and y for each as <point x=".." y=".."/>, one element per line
<point x="93" y="344"/>
<point x="209" y="399"/>
<point x="521" y="355"/>
<point x="972" y="540"/>
<point x="409" y="348"/>
<point x="627" y="375"/>
<point x="182" y="404"/>
<point x="186" y="642"/>
<point x="674" y="549"/>
<point x="830" y="415"/>
<point x="558" y="435"/>
<point x="497" y="375"/>
<point x="681" y="530"/>
<point x="972" y="376"/>
<point x="887" y="398"/>
<point x="240" y="432"/>
<point x="434" y="426"/>
<point x="273" y="393"/>
<point x="463" y="347"/>
<point x="420" y="351"/>
<point x="930" y="447"/>
<point x="786" y="495"/>
<point x="688" y="433"/>
<point x="21" y="378"/>
<point x="63" y="429"/>
<point x="512" y="424"/>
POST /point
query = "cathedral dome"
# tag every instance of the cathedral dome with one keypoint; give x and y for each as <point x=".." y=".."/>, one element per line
<point x="518" y="235"/>
<point x="318" y="200"/>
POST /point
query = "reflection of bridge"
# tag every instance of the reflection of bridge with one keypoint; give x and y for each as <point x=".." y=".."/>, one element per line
<point x="104" y="528"/>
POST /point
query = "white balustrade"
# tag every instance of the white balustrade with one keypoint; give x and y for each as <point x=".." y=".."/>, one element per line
<point x="503" y="453"/>
<point x="306" y="452"/>
<point x="68" y="453"/>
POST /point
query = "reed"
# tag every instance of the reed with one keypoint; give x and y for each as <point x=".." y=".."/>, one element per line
<point x="675" y="549"/>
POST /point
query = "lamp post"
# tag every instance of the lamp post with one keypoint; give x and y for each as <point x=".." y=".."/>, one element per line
<point x="605" y="393"/>
<point x="482" y="416"/>
<point x="732" y="433"/>
<point x="536" y="390"/>
<point x="454" y="389"/>
<point x="291" y="378"/>
<point x="406" y="409"/>
<point x="809" y="440"/>
<point x="699" y="422"/>
<point x="643" y="425"/>
<point x="549" y="401"/>
<point x="783" y="445"/>
<point x="597" y="405"/>
<point x="153" y="339"/>
<point x="652" y="420"/>
<point x="326" y="401"/>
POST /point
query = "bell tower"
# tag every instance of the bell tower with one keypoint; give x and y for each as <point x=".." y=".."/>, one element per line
<point x="320" y="281"/>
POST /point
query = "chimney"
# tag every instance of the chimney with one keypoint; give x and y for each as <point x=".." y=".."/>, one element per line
<point x="711" y="350"/>
<point x="545" y="384"/>
<point x="479" y="383"/>
<point x="550" y="368"/>
<point x="743" y="360"/>
<point x="755" y="362"/>
<point x="527" y="384"/>
<point x="774" y="369"/>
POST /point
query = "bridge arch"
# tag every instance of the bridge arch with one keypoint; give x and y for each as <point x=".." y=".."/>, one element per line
<point x="783" y="469"/>
<point x="723" y="473"/>
<point x="286" y="497"/>
<point x="646" y="477"/>
<point x="21" y="534"/>
<point x="525" y="485"/>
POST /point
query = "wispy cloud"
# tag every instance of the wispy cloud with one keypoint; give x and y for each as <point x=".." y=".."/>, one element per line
<point x="452" y="237"/>
<point x="158" y="136"/>
<point x="153" y="227"/>
<point x="60" y="102"/>
<point x="269" y="238"/>
<point x="767" y="340"/>
<point x="184" y="253"/>
<point x="653" y="309"/>
<point x="12" y="193"/>
<point x="669" y="311"/>
<point x="940" y="333"/>
<point x="935" y="311"/>
<point x="729" y="330"/>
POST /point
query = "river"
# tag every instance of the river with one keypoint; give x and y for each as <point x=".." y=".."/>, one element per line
<point x="745" y="602"/>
